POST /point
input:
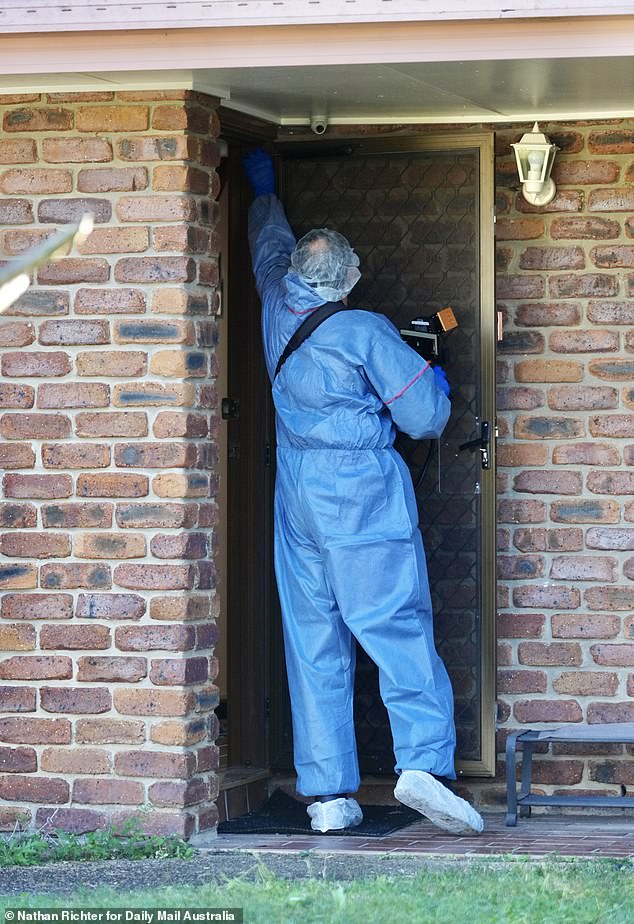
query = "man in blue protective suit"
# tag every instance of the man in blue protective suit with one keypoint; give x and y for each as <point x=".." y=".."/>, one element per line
<point x="349" y="556"/>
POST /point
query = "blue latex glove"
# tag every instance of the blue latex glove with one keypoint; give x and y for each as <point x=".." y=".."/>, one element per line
<point x="260" y="171"/>
<point x="441" y="379"/>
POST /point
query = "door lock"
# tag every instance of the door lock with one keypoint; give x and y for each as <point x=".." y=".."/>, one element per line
<point x="482" y="443"/>
<point x="230" y="408"/>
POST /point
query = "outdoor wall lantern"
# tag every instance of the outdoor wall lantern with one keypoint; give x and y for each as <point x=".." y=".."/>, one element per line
<point x="535" y="156"/>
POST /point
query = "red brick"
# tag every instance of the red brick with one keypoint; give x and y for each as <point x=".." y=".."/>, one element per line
<point x="18" y="760"/>
<point x="548" y="540"/>
<point x="33" y="364"/>
<point x="613" y="425"/>
<point x="586" y="341"/>
<point x="174" y="424"/>
<point x="154" y="394"/>
<point x="110" y="606"/>
<point x="542" y="428"/>
<point x="34" y="789"/>
<point x="74" y="332"/>
<point x="154" y="577"/>
<point x="107" y="792"/>
<point x="17" y="150"/>
<point x="155" y="764"/>
<point x="96" y="119"/>
<point x="73" y="761"/>
<point x="544" y="654"/>
<point x="38" y="120"/>
<point x="524" y="399"/>
<point x="17" y="242"/>
<point x="181" y="485"/>
<point x="580" y="398"/>
<point x="520" y="625"/>
<point x="17" y="576"/>
<point x="16" y="396"/>
<point x="115" y="240"/>
<point x="545" y="482"/>
<point x="156" y="516"/>
<point x="75" y="575"/>
<point x="544" y="710"/>
<point x="75" y="455"/>
<point x="109" y="546"/>
<point x="16" y="637"/>
<point x="76" y="701"/>
<point x="552" y="258"/>
<point x="111" y="669"/>
<point x="157" y="208"/>
<point x="37" y="606"/>
<point x="608" y="713"/>
<point x="76" y="150"/>
<point x="155" y="269"/>
<point x="613" y="255"/>
<point x="603" y="482"/>
<point x="119" y="423"/>
<point x="34" y="181"/>
<point x="151" y="148"/>
<point x="17" y="699"/>
<point x="126" y="363"/>
<point x="611" y="312"/>
<point x="180" y="733"/>
<point x="16" y="334"/>
<point x="158" y="637"/>
<point x="519" y="567"/>
<point x="184" y="608"/>
<point x="70" y="211"/>
<point x="181" y="545"/>
<point x="112" y="179"/>
<point x="179" y="671"/>
<point x="37" y="486"/>
<point x="109" y="301"/>
<point x="37" y="302"/>
<point x="17" y="516"/>
<point x="71" y="820"/>
<point x="69" y="516"/>
<point x="16" y="212"/>
<point x="585" y="625"/>
<point x="26" y="730"/>
<point x="71" y="638"/>
<point x="586" y="454"/>
<point x="586" y="683"/>
<point x="610" y="598"/>
<point x="521" y="511"/>
<point x="36" y="667"/>
<point x="172" y="300"/>
<point x="71" y="270"/>
<point x="170" y="794"/>
<point x="547" y="315"/>
<point x="585" y="511"/>
<point x="152" y="702"/>
<point x="620" y="538"/>
<point x="620" y="654"/>
<point x="112" y="484"/>
<point x="180" y="118"/>
<point x="540" y="370"/>
<point x="583" y="568"/>
<point x="109" y="731"/>
<point x="73" y="394"/>
<point x="162" y="824"/>
<point x="34" y="545"/>
<point x="34" y="426"/>
<point x="617" y="199"/>
<point x="519" y="229"/>
<point x="180" y="178"/>
<point x="547" y="597"/>
<point x="155" y="455"/>
<point x="180" y="363"/>
<point x="16" y="455"/>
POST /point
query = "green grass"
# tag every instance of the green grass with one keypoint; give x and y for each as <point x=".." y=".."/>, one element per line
<point x="127" y="842"/>
<point x="477" y="892"/>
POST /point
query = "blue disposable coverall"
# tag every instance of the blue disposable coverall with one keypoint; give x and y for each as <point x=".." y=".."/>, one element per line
<point x="349" y="556"/>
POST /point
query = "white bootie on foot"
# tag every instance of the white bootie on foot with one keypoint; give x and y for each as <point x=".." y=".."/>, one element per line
<point x="422" y="792"/>
<point x="334" y="815"/>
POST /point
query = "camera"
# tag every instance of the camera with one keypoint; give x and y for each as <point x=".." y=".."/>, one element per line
<point x="424" y="333"/>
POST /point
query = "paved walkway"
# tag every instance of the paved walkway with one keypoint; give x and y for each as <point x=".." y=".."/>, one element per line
<point x="537" y="836"/>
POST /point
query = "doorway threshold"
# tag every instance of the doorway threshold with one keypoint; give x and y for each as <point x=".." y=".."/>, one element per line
<point x="374" y="790"/>
<point x="241" y="790"/>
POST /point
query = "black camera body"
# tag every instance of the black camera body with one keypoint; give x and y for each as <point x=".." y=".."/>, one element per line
<point x="424" y="334"/>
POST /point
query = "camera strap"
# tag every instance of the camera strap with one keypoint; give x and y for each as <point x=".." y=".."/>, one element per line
<point x="306" y="328"/>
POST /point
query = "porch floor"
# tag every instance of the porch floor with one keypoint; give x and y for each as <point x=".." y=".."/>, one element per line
<point x="591" y="836"/>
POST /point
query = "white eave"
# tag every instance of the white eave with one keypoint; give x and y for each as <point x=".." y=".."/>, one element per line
<point x="89" y="15"/>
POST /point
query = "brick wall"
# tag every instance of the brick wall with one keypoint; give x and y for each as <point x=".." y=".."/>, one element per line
<point x="566" y="448"/>
<point x="107" y="427"/>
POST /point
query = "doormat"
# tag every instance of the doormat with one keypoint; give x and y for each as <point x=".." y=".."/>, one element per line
<point x="281" y="814"/>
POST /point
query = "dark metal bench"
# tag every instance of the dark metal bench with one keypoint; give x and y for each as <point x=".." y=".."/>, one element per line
<point x="527" y="741"/>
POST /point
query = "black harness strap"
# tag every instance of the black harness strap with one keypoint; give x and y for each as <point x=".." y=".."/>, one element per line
<point x="306" y="328"/>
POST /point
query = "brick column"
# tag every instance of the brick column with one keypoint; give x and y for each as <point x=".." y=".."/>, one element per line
<point x="107" y="433"/>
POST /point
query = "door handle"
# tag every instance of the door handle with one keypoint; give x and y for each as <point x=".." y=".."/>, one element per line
<point x="481" y="443"/>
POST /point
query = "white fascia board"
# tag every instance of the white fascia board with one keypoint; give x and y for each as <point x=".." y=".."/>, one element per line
<point x="22" y="16"/>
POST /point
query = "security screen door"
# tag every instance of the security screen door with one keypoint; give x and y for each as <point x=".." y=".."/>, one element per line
<point x="419" y="213"/>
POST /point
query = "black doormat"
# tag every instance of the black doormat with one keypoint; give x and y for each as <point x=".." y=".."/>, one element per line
<point x="281" y="814"/>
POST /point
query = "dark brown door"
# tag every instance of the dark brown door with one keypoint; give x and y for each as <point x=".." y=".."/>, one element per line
<point x="420" y="216"/>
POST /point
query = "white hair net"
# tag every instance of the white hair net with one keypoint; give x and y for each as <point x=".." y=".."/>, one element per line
<point x="326" y="261"/>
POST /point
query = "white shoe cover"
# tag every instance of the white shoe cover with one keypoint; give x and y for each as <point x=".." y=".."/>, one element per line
<point x="334" y="815"/>
<point x="420" y="791"/>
